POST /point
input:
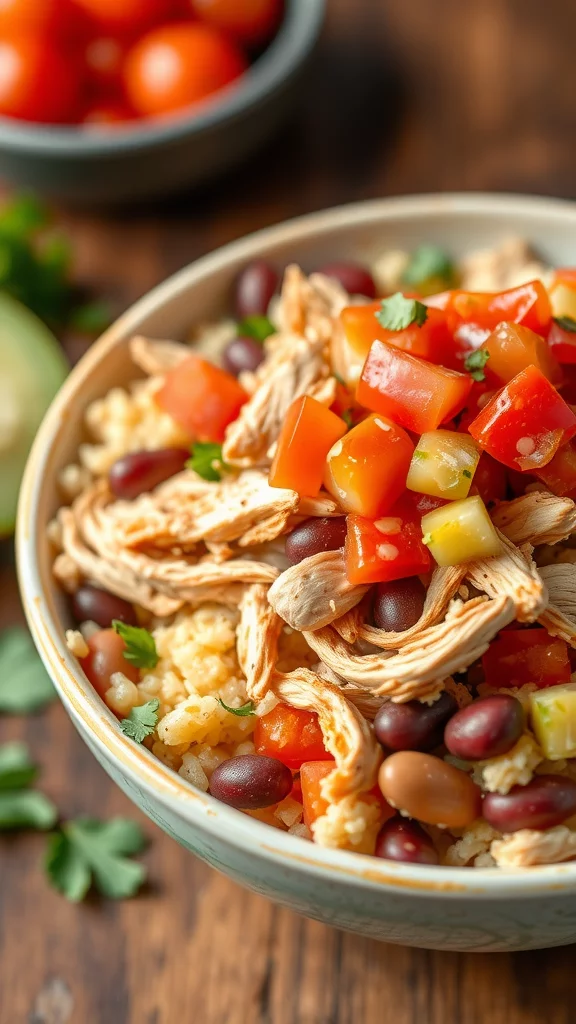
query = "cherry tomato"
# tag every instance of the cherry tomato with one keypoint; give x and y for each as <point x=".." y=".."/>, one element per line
<point x="106" y="657"/>
<point x="103" y="60"/>
<point x="291" y="735"/>
<point x="121" y="16"/>
<point x="177" y="65"/>
<point x="249" y="21"/>
<point x="106" y="114"/>
<point x="37" y="82"/>
<point x="201" y="397"/>
<point x="38" y="17"/>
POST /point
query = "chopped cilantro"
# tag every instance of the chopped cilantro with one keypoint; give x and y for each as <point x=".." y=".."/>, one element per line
<point x="140" y="646"/>
<point x="24" y="683"/>
<point x="21" y="807"/>
<point x="419" y="455"/>
<point x="397" y="312"/>
<point x="242" y="712"/>
<point x="430" y="267"/>
<point x="475" y="363"/>
<point x="16" y="768"/>
<point x="204" y="457"/>
<point x="567" y="323"/>
<point x="87" y="851"/>
<point x="141" y="721"/>
<point x="256" y="326"/>
<point x="467" y="473"/>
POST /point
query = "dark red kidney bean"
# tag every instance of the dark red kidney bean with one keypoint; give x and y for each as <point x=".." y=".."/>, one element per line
<point x="102" y="607"/>
<point x="413" y="726"/>
<point x="488" y="727"/>
<point x="355" y="279"/>
<point x="315" y="535"/>
<point x="242" y="354"/>
<point x="546" y="801"/>
<point x="398" y="605"/>
<point x="405" y="840"/>
<point x="251" y="781"/>
<point x="138" y="472"/>
<point x="255" y="286"/>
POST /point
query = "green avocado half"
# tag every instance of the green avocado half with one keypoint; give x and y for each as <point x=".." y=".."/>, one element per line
<point x="32" y="368"/>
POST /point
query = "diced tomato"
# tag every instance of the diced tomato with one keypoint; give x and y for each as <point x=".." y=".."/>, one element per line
<point x="568" y="388"/>
<point x="201" y="397"/>
<point x="480" y="395"/>
<point x="390" y="548"/>
<point x="512" y="347"/>
<point x="519" y="482"/>
<point x="525" y="423"/>
<point x="490" y="480"/>
<point x="560" y="473"/>
<point x="519" y="656"/>
<point x="562" y="342"/>
<point x="309" y="432"/>
<point x="291" y="735"/>
<point x="564" y="275"/>
<point x="416" y="394"/>
<point x="529" y="305"/>
<point x="312" y="774"/>
<point x="431" y="341"/>
<point x="366" y="470"/>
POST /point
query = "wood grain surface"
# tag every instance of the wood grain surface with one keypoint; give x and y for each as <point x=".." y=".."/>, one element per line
<point x="406" y="95"/>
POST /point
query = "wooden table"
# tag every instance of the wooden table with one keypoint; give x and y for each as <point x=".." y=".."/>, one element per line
<point x="408" y="95"/>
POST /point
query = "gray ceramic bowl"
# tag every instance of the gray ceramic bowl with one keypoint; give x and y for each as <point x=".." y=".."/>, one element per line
<point x="159" y="158"/>
<point x="442" y="908"/>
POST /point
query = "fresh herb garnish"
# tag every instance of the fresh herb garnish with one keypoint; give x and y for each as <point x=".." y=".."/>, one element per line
<point x="419" y="455"/>
<point x="204" y="456"/>
<point x="475" y="363"/>
<point x="140" y="646"/>
<point x="347" y="417"/>
<point x="141" y="721"/>
<point x="429" y="265"/>
<point x="21" y="807"/>
<point x="397" y="312"/>
<point x="567" y="323"/>
<point x="24" y="683"/>
<point x="91" y="318"/>
<point x="87" y="851"/>
<point x="467" y="473"/>
<point x="242" y="712"/>
<point x="256" y="326"/>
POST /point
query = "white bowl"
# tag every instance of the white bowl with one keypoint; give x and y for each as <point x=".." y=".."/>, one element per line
<point x="436" y="907"/>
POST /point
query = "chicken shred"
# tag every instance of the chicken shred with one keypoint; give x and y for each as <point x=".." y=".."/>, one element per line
<point x="314" y="592"/>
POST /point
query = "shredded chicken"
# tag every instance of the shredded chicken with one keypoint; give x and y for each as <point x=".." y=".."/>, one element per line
<point x="511" y="263"/>
<point x="314" y="592"/>
<point x="156" y="357"/>
<point x="448" y="647"/>
<point x="443" y="587"/>
<point x="257" y="640"/>
<point x="559" y="618"/>
<point x="527" y="847"/>
<point x="536" y="518"/>
<point x="512" y="573"/>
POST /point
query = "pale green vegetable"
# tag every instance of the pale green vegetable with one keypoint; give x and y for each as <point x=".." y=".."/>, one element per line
<point x="443" y="464"/>
<point x="553" y="715"/>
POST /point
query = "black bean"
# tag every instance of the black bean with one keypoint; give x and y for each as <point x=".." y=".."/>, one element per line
<point x="398" y="605"/>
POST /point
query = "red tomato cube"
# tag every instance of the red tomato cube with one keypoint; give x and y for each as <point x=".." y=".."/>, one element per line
<point x="562" y="341"/>
<point x="366" y="470"/>
<point x="291" y="735"/>
<point x="528" y="304"/>
<point x="512" y="347"/>
<point x="312" y="774"/>
<point x="525" y="423"/>
<point x="309" y="432"/>
<point x="201" y="397"/>
<point x="560" y="473"/>
<point x="385" y="549"/>
<point x="519" y="656"/>
<point x="416" y="394"/>
<point x="432" y="341"/>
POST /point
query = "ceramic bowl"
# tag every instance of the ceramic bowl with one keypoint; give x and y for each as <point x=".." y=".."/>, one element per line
<point x="157" y="158"/>
<point x="442" y="908"/>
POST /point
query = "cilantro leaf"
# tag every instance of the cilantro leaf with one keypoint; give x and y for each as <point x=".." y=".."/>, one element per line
<point x="24" y="683"/>
<point x="16" y="769"/>
<point x="567" y="323"/>
<point x="256" y="326"/>
<point x="24" y="216"/>
<point x="91" y="318"/>
<point x="467" y="474"/>
<point x="204" y="455"/>
<point x="26" y="808"/>
<point x="475" y="363"/>
<point x="429" y="264"/>
<point x="141" y="721"/>
<point x="140" y="646"/>
<point x="242" y="712"/>
<point x="86" y="851"/>
<point x="397" y="312"/>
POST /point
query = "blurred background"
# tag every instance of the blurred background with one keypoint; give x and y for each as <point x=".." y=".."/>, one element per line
<point x="392" y="97"/>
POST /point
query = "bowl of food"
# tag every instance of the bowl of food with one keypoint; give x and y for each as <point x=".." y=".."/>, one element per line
<point x="301" y="572"/>
<point x="107" y="102"/>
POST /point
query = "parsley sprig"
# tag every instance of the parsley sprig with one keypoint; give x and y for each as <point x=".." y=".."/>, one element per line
<point x="141" y="721"/>
<point x="20" y="806"/>
<point x="87" y="851"/>
<point x="241" y="712"/>
<point x="257" y="326"/>
<point x="430" y="270"/>
<point x="475" y="363"/>
<point x="206" y="460"/>
<point x="397" y="312"/>
<point x="140" y="646"/>
<point x="25" y="686"/>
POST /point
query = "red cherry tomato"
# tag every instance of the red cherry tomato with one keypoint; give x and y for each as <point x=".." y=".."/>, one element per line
<point x="126" y="16"/>
<point x="107" y="114"/>
<point x="103" y="59"/>
<point x="291" y="735"/>
<point x="37" y="82"/>
<point x="177" y="65"/>
<point x="39" y="17"/>
<point x="249" y="21"/>
<point x="106" y="656"/>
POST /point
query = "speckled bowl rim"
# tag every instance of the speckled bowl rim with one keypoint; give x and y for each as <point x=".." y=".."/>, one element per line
<point x="80" y="699"/>
<point x="291" y="46"/>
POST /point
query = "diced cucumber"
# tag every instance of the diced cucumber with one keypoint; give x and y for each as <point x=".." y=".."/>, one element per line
<point x="553" y="714"/>
<point x="32" y="368"/>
